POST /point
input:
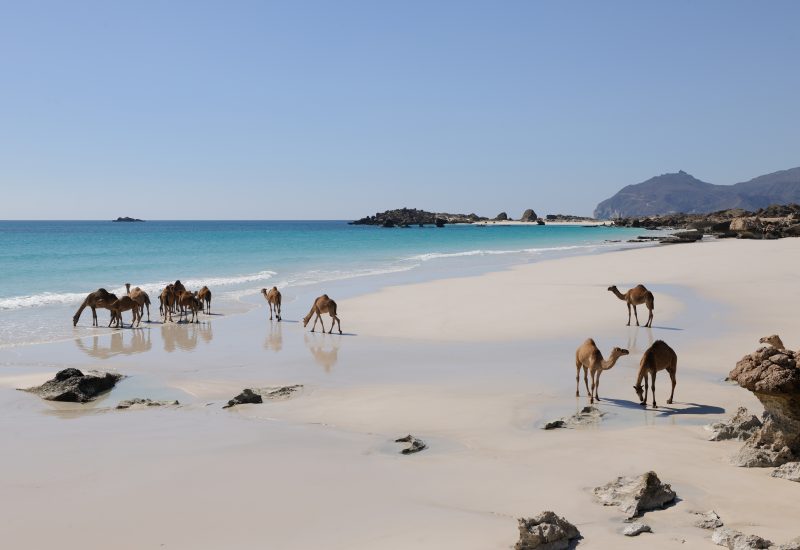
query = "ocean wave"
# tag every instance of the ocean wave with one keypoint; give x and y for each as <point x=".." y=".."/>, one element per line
<point x="64" y="298"/>
<point x="439" y="255"/>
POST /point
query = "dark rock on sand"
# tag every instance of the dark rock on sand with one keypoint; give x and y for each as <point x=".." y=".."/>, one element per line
<point x="140" y="402"/>
<point x="790" y="471"/>
<point x="588" y="416"/>
<point x="740" y="426"/>
<point x="529" y="216"/>
<point x="257" y="395"/>
<point x="636" y="495"/>
<point x="416" y="445"/>
<point x="74" y="386"/>
<point x="501" y="217"/>
<point x="636" y="529"/>
<point x="547" y="531"/>
<point x="774" y="377"/>
<point x="708" y="520"/>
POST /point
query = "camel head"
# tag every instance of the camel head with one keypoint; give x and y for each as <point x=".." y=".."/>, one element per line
<point x="75" y="320"/>
<point x="128" y="288"/>
<point x="773" y="340"/>
<point x="640" y="392"/>
<point x="612" y="288"/>
<point x="618" y="352"/>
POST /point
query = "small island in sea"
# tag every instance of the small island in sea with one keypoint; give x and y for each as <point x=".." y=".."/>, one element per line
<point x="127" y="219"/>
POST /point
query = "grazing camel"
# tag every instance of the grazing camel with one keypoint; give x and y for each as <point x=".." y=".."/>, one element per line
<point x="636" y="296"/>
<point x="187" y="300"/>
<point x="321" y="305"/>
<point x="273" y="298"/>
<point x="589" y="358"/>
<point x="773" y="340"/>
<point x="99" y="298"/>
<point x="658" y="357"/>
<point x="126" y="303"/>
<point x="205" y="298"/>
<point x="140" y="297"/>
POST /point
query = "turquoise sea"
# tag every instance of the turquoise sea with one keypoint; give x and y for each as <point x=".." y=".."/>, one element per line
<point x="48" y="267"/>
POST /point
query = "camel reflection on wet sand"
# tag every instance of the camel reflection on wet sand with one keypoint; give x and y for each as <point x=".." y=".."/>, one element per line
<point x="185" y="336"/>
<point x="324" y="348"/>
<point x="109" y="345"/>
<point x="273" y="340"/>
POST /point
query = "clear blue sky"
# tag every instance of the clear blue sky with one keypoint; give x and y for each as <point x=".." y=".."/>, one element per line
<point x="337" y="109"/>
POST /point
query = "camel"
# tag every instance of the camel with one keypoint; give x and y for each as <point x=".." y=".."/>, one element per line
<point x="589" y="358"/>
<point x="140" y="297"/>
<point x="167" y="302"/>
<point x="187" y="300"/>
<point x="636" y="296"/>
<point x="273" y="298"/>
<point x="773" y="340"/>
<point x="99" y="298"/>
<point x="321" y="305"/>
<point x="658" y="357"/>
<point x="205" y="298"/>
<point x="126" y="303"/>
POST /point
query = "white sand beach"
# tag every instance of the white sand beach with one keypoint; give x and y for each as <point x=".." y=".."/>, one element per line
<point x="472" y="365"/>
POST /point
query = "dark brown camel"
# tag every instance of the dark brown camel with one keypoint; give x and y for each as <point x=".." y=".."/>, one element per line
<point x="99" y="298"/>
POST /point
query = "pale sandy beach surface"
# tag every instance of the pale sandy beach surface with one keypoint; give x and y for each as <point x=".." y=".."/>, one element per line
<point x="472" y="365"/>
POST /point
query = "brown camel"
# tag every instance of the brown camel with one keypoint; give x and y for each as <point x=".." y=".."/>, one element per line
<point x="658" y="357"/>
<point x="140" y="297"/>
<point x="126" y="303"/>
<point x="205" y="298"/>
<point x="321" y="305"/>
<point x="773" y="340"/>
<point x="589" y="358"/>
<point x="273" y="298"/>
<point x="636" y="296"/>
<point x="189" y="302"/>
<point x="167" y="302"/>
<point x="99" y="298"/>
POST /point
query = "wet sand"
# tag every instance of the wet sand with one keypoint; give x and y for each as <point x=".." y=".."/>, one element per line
<point x="474" y="366"/>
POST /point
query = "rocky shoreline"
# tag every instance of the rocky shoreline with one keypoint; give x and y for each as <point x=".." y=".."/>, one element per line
<point x="406" y="217"/>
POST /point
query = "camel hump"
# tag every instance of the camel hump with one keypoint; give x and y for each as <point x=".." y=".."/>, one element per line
<point x="589" y="342"/>
<point x="641" y="287"/>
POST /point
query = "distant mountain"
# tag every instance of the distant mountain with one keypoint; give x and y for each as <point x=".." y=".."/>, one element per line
<point x="682" y="192"/>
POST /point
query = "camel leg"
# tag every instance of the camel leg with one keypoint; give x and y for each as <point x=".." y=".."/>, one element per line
<point x="649" y="319"/>
<point x="646" y="387"/>
<point x="629" y="315"/>
<point x="597" y="386"/>
<point x="94" y="317"/>
<point x="586" y="381"/>
<point x="279" y="312"/>
<point x="338" y="322"/>
<point x="653" y="384"/>
<point x="636" y="314"/>
<point x="577" y="379"/>
<point x="594" y="386"/>
<point x="270" y="312"/>
<point x="318" y="318"/>
<point x="148" y="313"/>
<point x="672" y="394"/>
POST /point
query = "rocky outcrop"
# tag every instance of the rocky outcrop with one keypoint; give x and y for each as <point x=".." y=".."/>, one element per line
<point x="501" y="217"/>
<point x="415" y="444"/>
<point x="636" y="529"/>
<point x="405" y="217"/>
<point x="740" y="426"/>
<point x="547" y="531"/>
<point x="588" y="416"/>
<point x="138" y="402"/>
<point x="568" y="218"/>
<point x="708" y="520"/>
<point x="774" y="377"/>
<point x="635" y="495"/>
<point x="790" y="471"/>
<point x="529" y="216"/>
<point x="74" y="386"/>
<point x="127" y="219"/>
<point x="257" y="395"/>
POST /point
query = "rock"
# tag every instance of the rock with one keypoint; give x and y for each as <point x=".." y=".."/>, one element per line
<point x="751" y="224"/>
<point x="708" y="520"/>
<point x="740" y="426"/>
<point x="636" y="529"/>
<point x="735" y="540"/>
<point x="790" y="471"/>
<point x="774" y="377"/>
<point x="257" y="395"/>
<point x="74" y="386"/>
<point x="793" y="544"/>
<point x="528" y="216"/>
<point x="139" y="402"/>
<point x="416" y="445"/>
<point x="588" y="416"/>
<point x="127" y="219"/>
<point x="247" y="396"/>
<point x="406" y="216"/>
<point x="501" y="217"/>
<point x="635" y="495"/>
<point x="547" y="531"/>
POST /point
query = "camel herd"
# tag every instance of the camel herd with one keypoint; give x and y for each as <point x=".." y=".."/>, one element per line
<point x="175" y="298"/>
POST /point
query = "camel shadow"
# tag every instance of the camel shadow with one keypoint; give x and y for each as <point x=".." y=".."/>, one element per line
<point x="667" y="328"/>
<point x="665" y="411"/>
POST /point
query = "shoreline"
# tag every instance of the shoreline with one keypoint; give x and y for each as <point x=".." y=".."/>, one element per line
<point x="324" y="461"/>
